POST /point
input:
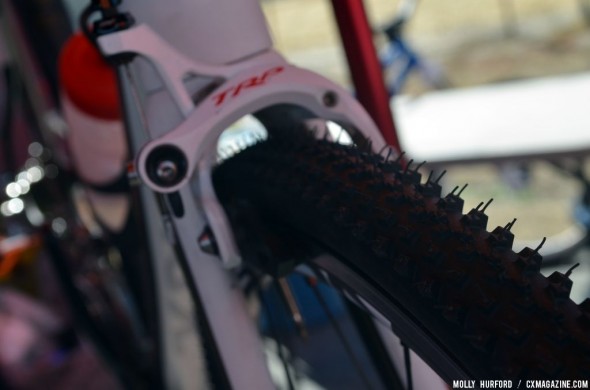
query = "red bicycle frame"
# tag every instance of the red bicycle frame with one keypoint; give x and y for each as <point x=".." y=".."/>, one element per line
<point x="365" y="69"/>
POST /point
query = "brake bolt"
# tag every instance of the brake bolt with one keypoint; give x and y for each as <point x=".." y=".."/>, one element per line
<point x="167" y="171"/>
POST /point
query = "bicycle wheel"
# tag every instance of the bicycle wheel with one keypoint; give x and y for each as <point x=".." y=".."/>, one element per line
<point x="455" y="293"/>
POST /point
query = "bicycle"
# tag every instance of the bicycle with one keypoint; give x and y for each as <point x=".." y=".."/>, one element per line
<point x="460" y="302"/>
<point x="399" y="60"/>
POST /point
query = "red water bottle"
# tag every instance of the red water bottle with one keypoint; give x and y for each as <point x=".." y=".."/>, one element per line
<point x="90" y="103"/>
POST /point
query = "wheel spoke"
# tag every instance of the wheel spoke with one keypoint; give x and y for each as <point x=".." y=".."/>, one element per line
<point x="276" y="335"/>
<point x="312" y="282"/>
<point x="291" y="302"/>
<point x="408" y="364"/>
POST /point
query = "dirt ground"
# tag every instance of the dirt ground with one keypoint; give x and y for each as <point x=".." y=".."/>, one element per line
<point x="474" y="42"/>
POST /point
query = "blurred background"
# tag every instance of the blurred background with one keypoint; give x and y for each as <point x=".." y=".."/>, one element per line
<point x="475" y="42"/>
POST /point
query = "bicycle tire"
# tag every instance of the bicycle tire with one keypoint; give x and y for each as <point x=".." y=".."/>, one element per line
<point x="457" y="294"/>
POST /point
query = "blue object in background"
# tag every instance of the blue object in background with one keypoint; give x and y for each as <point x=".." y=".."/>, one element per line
<point x="311" y="310"/>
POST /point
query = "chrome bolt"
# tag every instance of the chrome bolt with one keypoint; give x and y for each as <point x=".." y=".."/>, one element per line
<point x="167" y="171"/>
<point x="166" y="165"/>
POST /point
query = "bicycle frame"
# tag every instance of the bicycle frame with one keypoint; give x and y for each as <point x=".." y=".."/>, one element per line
<point x="365" y="68"/>
<point x="248" y="76"/>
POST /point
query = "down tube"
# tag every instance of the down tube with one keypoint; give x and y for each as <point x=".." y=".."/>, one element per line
<point x="365" y="69"/>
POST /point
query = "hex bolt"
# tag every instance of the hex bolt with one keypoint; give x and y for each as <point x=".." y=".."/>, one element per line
<point x="166" y="165"/>
<point x="167" y="171"/>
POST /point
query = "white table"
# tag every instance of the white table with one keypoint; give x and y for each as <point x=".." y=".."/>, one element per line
<point x="524" y="118"/>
